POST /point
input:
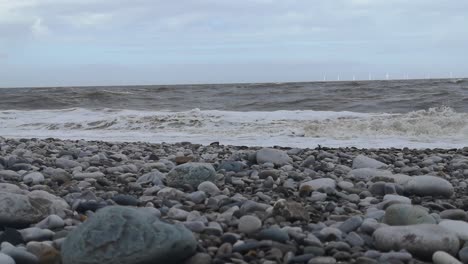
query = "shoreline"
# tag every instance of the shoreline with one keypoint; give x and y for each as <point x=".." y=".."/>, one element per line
<point x="233" y="204"/>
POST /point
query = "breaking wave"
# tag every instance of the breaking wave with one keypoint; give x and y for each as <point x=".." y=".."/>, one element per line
<point x="440" y="127"/>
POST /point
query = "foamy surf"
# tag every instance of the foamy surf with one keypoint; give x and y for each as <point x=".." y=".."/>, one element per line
<point x="432" y="128"/>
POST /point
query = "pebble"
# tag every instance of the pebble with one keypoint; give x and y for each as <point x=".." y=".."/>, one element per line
<point x="429" y="186"/>
<point x="209" y="188"/>
<point x="5" y="259"/>
<point x="351" y="224"/>
<point x="274" y="234"/>
<point x="463" y="254"/>
<point x="33" y="178"/>
<point x="420" y="240"/>
<point x="274" y="156"/>
<point x="441" y="257"/>
<point x="362" y="161"/>
<point x="322" y="260"/>
<point x="249" y="224"/>
<point x="199" y="258"/>
<point x="19" y="254"/>
<point x="405" y="214"/>
<point x="290" y="210"/>
<point x="456" y="226"/>
<point x="19" y="210"/>
<point x="36" y="234"/>
<point x="191" y="174"/>
<point x="453" y="214"/>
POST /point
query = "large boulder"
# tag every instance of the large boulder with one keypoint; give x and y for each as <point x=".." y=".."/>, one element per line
<point x="406" y="214"/>
<point x="127" y="235"/>
<point x="191" y="174"/>
<point x="420" y="240"/>
<point x="275" y="156"/>
<point x="17" y="210"/>
<point x="362" y="161"/>
<point x="429" y="186"/>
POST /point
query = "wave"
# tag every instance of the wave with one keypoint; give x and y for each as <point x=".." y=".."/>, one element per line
<point x="435" y="127"/>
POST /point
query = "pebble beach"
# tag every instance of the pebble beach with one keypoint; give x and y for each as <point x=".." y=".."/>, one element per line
<point x="77" y="202"/>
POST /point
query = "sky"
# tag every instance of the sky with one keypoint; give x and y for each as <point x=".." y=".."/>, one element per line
<point x="121" y="42"/>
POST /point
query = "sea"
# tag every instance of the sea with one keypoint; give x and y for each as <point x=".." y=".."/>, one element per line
<point x="428" y="113"/>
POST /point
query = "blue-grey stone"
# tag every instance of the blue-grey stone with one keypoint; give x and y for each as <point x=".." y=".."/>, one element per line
<point x="126" y="235"/>
<point x="274" y="234"/>
<point x="124" y="199"/>
<point x="351" y="224"/>
<point x="463" y="254"/>
<point x="191" y="174"/>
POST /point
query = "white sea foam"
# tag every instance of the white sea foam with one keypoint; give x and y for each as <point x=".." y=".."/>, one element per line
<point x="435" y="127"/>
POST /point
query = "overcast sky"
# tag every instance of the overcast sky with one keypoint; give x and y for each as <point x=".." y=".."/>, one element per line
<point x="115" y="42"/>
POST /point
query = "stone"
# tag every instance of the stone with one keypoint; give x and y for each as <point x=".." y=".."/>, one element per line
<point x="125" y="235"/>
<point x="66" y="163"/>
<point x="199" y="258"/>
<point x="458" y="227"/>
<point x="9" y="175"/>
<point x="463" y="255"/>
<point x="228" y="165"/>
<point x="291" y="211"/>
<point x="354" y="239"/>
<point x="453" y="214"/>
<point x="19" y="254"/>
<point x="351" y="224"/>
<point x="330" y="233"/>
<point x="275" y="156"/>
<point x="322" y="260"/>
<point x="18" y="210"/>
<point x="11" y="188"/>
<point x="88" y="175"/>
<point x="249" y="224"/>
<point x="51" y="222"/>
<point x="154" y="177"/>
<point x="124" y="199"/>
<point x="11" y="236"/>
<point x="317" y="184"/>
<point x="34" y="178"/>
<point x="57" y="174"/>
<point x="177" y="214"/>
<point x="367" y="174"/>
<point x="405" y="214"/>
<point x="191" y="174"/>
<point x="273" y="233"/>
<point x="45" y="252"/>
<point x="54" y="204"/>
<point x="441" y="257"/>
<point x="402" y="256"/>
<point x="5" y="259"/>
<point x="429" y="186"/>
<point x="362" y="161"/>
<point x="209" y="188"/>
<point x="36" y="234"/>
<point x="420" y="240"/>
<point x="396" y="198"/>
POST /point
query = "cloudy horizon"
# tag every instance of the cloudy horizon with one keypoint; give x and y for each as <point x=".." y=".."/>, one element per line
<point x="120" y="42"/>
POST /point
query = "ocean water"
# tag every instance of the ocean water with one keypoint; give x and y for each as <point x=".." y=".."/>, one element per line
<point x="364" y="114"/>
